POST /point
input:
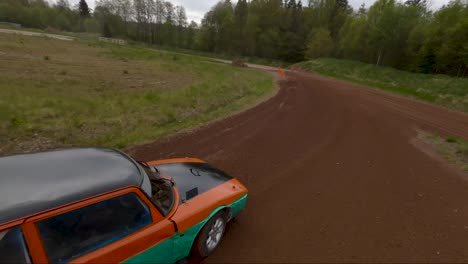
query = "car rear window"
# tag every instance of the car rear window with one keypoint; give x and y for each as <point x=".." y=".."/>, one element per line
<point x="12" y="247"/>
<point x="74" y="234"/>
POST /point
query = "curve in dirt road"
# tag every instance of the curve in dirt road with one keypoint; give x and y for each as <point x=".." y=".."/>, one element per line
<point x="334" y="176"/>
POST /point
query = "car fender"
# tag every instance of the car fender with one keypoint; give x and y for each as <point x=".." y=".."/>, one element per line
<point x="184" y="243"/>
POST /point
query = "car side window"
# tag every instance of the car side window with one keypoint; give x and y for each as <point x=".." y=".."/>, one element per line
<point x="12" y="247"/>
<point x="76" y="233"/>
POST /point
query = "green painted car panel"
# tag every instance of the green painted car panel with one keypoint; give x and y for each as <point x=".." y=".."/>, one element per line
<point x="179" y="246"/>
<point x="160" y="253"/>
<point x="238" y="205"/>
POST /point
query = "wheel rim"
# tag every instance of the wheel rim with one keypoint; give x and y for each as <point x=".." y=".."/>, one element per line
<point x="215" y="234"/>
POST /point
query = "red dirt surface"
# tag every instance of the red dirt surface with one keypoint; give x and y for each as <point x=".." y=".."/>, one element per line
<point x="334" y="176"/>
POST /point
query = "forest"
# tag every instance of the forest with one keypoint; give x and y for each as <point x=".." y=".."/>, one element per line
<point x="405" y="35"/>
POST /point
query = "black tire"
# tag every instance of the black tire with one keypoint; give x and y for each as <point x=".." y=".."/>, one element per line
<point x="202" y="246"/>
<point x="182" y="261"/>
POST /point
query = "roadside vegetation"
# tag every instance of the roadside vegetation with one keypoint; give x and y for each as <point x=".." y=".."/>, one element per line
<point x="57" y="93"/>
<point x="454" y="150"/>
<point x="444" y="90"/>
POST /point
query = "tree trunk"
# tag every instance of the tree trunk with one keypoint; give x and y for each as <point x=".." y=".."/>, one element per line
<point x="153" y="35"/>
<point x="459" y="70"/>
<point x="379" y="58"/>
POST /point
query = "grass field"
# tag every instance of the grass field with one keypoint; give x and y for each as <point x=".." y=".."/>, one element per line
<point x="57" y="93"/>
<point x="443" y="90"/>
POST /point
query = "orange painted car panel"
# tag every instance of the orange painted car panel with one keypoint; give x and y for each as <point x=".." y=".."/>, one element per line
<point x="11" y="224"/>
<point x="36" y="249"/>
<point x="182" y="160"/>
<point x="195" y="210"/>
<point x="131" y="245"/>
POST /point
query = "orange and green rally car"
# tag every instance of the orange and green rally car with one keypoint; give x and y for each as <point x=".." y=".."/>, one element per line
<point x="97" y="205"/>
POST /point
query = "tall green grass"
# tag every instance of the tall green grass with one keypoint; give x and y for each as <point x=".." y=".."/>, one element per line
<point x="444" y="90"/>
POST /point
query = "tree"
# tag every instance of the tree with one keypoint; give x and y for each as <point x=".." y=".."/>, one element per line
<point x="264" y="26"/>
<point x="140" y="7"/>
<point x="181" y="23"/>
<point x="83" y="8"/>
<point x="106" y="32"/>
<point x="321" y="44"/>
<point x="241" y="12"/>
<point x="447" y="38"/>
<point x="353" y="37"/>
<point x="293" y="33"/>
<point x="362" y="9"/>
<point x="169" y="24"/>
<point x="338" y="16"/>
<point x="123" y="8"/>
<point x="62" y="22"/>
<point x="180" y="16"/>
<point x="381" y="28"/>
<point x="416" y="2"/>
<point x="62" y="5"/>
<point x="208" y="33"/>
<point x="192" y="35"/>
<point x="91" y="25"/>
<point x="217" y="28"/>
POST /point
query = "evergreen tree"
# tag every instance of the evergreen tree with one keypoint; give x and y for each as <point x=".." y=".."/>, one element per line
<point x="83" y="8"/>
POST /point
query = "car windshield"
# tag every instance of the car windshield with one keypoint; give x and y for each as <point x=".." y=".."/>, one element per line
<point x="162" y="193"/>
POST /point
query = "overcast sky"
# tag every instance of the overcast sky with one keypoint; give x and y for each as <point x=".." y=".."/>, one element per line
<point x="196" y="9"/>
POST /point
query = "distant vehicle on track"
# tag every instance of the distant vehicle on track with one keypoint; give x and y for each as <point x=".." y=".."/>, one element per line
<point x="98" y="205"/>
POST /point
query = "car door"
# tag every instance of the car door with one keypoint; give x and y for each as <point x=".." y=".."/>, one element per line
<point x="122" y="226"/>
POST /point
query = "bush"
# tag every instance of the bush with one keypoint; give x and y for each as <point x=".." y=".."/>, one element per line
<point x="451" y="140"/>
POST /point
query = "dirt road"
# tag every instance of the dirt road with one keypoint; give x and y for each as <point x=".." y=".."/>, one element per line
<point x="36" y="34"/>
<point x="335" y="175"/>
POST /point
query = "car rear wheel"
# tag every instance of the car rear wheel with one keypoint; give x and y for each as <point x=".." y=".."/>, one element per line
<point x="210" y="236"/>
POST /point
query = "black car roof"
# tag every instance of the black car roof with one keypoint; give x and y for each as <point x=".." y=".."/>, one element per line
<point x="32" y="183"/>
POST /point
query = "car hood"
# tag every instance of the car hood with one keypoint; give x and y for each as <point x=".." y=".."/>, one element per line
<point x="193" y="179"/>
